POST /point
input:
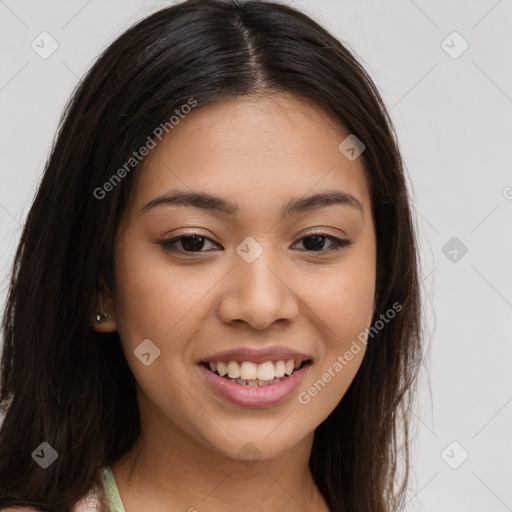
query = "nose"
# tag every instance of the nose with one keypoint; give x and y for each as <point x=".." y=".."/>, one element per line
<point x="258" y="294"/>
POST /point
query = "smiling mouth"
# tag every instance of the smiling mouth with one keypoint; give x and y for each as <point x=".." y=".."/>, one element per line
<point x="247" y="373"/>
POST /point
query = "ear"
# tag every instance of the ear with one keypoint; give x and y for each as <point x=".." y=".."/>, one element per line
<point x="103" y="304"/>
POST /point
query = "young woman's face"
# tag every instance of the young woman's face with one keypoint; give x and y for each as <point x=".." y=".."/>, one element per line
<point x="266" y="286"/>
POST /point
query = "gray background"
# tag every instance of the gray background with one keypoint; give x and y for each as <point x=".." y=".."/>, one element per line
<point x="453" y="117"/>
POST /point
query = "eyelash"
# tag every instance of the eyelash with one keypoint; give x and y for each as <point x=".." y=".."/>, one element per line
<point x="338" y="243"/>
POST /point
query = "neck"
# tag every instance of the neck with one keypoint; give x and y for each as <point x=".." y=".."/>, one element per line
<point x="168" y="467"/>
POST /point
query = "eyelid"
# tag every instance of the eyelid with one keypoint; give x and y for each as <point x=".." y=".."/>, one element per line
<point x="337" y="243"/>
<point x="319" y="231"/>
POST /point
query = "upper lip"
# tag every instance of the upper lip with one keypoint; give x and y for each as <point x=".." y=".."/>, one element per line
<point x="257" y="355"/>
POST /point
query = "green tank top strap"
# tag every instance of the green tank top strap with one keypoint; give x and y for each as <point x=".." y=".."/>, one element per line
<point x="116" y="505"/>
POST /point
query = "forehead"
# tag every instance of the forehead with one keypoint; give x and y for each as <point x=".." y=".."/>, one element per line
<point x="256" y="152"/>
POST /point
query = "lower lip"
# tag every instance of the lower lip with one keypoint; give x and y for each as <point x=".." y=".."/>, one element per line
<point x="254" y="396"/>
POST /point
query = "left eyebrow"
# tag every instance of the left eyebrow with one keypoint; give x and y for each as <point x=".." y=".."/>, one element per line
<point x="321" y="200"/>
<point x="294" y="206"/>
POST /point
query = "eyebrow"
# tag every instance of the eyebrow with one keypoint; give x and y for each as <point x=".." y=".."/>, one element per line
<point x="209" y="202"/>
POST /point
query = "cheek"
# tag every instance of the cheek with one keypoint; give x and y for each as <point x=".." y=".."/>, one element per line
<point x="152" y="302"/>
<point x="344" y="299"/>
<point x="343" y="305"/>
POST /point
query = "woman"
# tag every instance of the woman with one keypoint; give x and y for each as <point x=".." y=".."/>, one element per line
<point x="214" y="303"/>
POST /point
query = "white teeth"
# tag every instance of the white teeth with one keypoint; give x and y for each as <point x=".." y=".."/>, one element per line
<point x="222" y="369"/>
<point x="249" y="370"/>
<point x="259" y="382"/>
<point x="266" y="371"/>
<point x="233" y="370"/>
<point x="280" y="369"/>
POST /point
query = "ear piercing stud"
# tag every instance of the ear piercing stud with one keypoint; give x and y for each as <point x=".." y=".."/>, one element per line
<point x="101" y="317"/>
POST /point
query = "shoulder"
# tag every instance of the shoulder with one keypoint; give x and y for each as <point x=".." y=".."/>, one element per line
<point x="18" y="509"/>
<point x="88" y="504"/>
<point x="92" y="502"/>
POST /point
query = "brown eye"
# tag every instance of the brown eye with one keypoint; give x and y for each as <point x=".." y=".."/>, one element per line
<point x="195" y="243"/>
<point x="316" y="242"/>
<point x="189" y="243"/>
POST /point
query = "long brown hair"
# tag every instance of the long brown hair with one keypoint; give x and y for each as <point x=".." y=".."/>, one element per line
<point x="67" y="385"/>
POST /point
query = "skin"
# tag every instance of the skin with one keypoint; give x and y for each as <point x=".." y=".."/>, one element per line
<point x="259" y="153"/>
